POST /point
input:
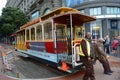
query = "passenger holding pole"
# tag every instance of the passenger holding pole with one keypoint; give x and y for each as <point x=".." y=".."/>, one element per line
<point x="107" y="44"/>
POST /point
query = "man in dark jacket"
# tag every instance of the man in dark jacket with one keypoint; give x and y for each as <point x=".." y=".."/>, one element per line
<point x="86" y="59"/>
<point x="102" y="56"/>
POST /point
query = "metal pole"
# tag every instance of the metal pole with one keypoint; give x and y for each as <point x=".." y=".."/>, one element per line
<point x="72" y="39"/>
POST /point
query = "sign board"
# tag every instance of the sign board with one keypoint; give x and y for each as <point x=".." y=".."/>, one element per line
<point x="114" y="24"/>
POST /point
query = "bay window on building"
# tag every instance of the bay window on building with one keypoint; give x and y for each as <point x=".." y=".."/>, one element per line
<point x="35" y="15"/>
<point x="46" y="11"/>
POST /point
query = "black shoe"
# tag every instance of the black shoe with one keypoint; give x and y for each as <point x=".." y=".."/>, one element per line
<point x="107" y="73"/>
<point x="111" y="71"/>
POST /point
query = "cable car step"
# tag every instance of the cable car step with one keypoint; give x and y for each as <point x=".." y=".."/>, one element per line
<point x="63" y="69"/>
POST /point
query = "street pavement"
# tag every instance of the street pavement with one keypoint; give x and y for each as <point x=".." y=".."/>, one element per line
<point x="114" y="63"/>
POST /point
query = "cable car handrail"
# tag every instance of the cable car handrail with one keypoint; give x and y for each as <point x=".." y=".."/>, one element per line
<point x="73" y="57"/>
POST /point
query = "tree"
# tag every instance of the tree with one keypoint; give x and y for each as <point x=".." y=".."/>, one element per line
<point x="11" y="20"/>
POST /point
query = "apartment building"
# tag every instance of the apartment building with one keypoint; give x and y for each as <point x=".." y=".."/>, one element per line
<point x="34" y="8"/>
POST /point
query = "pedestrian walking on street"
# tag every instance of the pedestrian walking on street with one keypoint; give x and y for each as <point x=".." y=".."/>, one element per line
<point x="86" y="59"/>
<point x="114" y="46"/>
<point x="102" y="56"/>
<point x="107" y="44"/>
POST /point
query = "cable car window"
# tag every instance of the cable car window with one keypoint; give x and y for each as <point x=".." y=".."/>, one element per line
<point x="33" y="34"/>
<point x="27" y="34"/>
<point x="48" y="31"/>
<point x="79" y="32"/>
<point x="39" y="32"/>
<point x="61" y="34"/>
<point x="18" y="38"/>
<point x="23" y="36"/>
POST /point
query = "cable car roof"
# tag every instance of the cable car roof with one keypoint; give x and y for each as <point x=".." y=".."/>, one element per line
<point x="77" y="18"/>
<point x="58" y="11"/>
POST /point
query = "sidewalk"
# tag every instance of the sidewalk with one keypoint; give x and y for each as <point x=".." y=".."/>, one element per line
<point x="115" y="66"/>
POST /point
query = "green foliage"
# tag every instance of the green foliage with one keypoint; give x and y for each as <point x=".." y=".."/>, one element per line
<point x="11" y="20"/>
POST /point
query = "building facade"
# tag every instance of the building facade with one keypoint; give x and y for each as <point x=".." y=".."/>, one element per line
<point x="107" y="12"/>
<point x="34" y="8"/>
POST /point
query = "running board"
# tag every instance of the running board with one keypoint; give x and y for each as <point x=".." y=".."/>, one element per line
<point x="22" y="53"/>
<point x="60" y="68"/>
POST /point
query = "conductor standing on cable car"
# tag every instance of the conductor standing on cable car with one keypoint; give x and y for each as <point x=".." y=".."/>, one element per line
<point x="86" y="59"/>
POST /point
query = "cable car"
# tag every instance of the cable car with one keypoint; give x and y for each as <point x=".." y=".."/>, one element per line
<point x="54" y="38"/>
